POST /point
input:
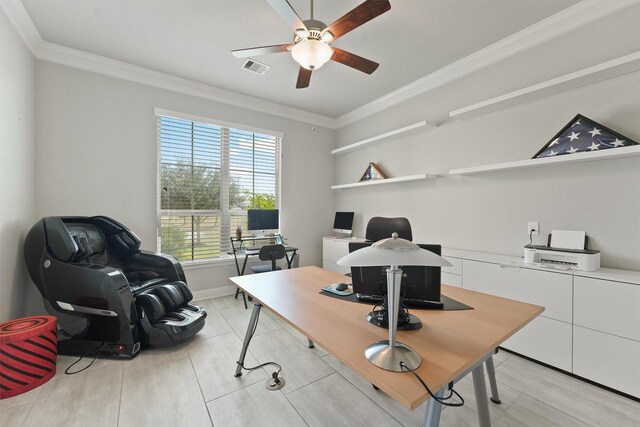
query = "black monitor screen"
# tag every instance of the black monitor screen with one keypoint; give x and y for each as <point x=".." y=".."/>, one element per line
<point x="418" y="282"/>
<point x="262" y="219"/>
<point x="343" y="221"/>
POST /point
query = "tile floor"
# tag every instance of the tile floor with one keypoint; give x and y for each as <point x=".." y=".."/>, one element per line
<point x="193" y="385"/>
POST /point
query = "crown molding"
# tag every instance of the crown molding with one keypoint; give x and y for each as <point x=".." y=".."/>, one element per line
<point x="567" y="20"/>
<point x="122" y="70"/>
<point x="22" y="22"/>
<point x="81" y="60"/>
<point x="562" y="22"/>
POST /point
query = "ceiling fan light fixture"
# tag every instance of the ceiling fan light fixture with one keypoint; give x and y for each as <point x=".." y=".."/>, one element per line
<point x="303" y="33"/>
<point x="311" y="54"/>
<point x="326" y="36"/>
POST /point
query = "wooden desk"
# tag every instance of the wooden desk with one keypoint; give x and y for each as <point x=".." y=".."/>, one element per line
<point x="451" y="343"/>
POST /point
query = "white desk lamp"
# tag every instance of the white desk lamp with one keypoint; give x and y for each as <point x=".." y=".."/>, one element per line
<point x="393" y="252"/>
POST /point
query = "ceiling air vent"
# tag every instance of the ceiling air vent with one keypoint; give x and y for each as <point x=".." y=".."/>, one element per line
<point x="255" y="67"/>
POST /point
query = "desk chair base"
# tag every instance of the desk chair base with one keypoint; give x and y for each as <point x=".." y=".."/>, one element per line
<point x="386" y="357"/>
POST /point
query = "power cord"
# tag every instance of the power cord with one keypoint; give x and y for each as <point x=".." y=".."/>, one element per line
<point x="531" y="236"/>
<point x="382" y="314"/>
<point x="66" y="371"/>
<point x="274" y="375"/>
<point x="441" y="400"/>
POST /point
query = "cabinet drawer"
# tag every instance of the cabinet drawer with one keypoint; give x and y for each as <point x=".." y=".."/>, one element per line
<point x="607" y="359"/>
<point x="545" y="340"/>
<point x="549" y="289"/>
<point x="456" y="266"/>
<point x="606" y="306"/>
<point x="334" y="249"/>
<point x="451" y="279"/>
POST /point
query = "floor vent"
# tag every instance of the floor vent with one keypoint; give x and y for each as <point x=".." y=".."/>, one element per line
<point x="255" y="67"/>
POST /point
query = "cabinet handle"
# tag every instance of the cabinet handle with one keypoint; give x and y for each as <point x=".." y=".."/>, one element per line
<point x="509" y="267"/>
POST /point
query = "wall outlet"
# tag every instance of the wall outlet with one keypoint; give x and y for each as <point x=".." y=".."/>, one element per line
<point x="533" y="226"/>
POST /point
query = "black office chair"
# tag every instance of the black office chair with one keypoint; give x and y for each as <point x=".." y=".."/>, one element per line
<point x="379" y="228"/>
<point x="269" y="253"/>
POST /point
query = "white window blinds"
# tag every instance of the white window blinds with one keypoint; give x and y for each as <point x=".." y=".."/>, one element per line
<point x="209" y="175"/>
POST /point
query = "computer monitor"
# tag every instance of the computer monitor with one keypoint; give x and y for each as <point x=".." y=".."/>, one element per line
<point x="263" y="221"/>
<point x="420" y="285"/>
<point x="343" y="223"/>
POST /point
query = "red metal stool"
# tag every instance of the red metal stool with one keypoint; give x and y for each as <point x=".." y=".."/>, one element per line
<point x="28" y="352"/>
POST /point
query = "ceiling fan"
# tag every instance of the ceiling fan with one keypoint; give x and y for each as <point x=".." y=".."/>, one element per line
<point x="311" y="40"/>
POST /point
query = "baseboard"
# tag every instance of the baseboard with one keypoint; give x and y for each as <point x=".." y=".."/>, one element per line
<point x="571" y="374"/>
<point x="213" y="292"/>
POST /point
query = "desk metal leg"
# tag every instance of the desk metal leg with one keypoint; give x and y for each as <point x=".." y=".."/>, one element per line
<point x="290" y="258"/>
<point x="244" y="297"/>
<point x="480" y="389"/>
<point x="491" y="372"/>
<point x="434" y="408"/>
<point x="244" y="264"/>
<point x="253" y="324"/>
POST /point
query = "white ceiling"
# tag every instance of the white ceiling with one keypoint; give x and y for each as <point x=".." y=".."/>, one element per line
<point x="192" y="39"/>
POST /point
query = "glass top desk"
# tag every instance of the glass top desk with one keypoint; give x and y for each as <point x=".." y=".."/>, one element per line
<point x="246" y="246"/>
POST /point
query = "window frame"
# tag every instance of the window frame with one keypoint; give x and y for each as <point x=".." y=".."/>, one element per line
<point x="159" y="112"/>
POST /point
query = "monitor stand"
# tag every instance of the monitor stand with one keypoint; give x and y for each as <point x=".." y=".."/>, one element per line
<point x="406" y="321"/>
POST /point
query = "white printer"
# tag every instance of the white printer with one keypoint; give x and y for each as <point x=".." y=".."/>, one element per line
<point x="574" y="255"/>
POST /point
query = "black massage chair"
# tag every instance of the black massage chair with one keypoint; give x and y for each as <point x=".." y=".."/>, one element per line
<point x="92" y="267"/>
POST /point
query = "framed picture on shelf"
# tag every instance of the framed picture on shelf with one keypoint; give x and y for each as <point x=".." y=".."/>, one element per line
<point x="583" y="134"/>
<point x="373" y="173"/>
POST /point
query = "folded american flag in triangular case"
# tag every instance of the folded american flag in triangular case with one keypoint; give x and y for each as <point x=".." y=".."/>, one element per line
<point x="583" y="134"/>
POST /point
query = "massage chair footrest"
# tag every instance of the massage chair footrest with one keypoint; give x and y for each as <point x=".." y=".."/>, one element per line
<point x="166" y="318"/>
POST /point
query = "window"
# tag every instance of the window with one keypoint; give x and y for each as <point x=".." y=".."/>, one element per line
<point x="209" y="175"/>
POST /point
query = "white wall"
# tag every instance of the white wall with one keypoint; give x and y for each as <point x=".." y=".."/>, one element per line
<point x="489" y="212"/>
<point x="97" y="154"/>
<point x="16" y="169"/>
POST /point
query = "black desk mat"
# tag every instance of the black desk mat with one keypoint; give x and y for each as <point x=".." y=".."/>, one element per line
<point x="449" y="303"/>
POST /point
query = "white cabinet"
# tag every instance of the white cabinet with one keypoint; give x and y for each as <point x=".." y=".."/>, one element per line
<point x="545" y="340"/>
<point x="607" y="306"/>
<point x="591" y="322"/>
<point x="333" y="249"/>
<point x="551" y="290"/>
<point x="548" y="337"/>
<point x="451" y="279"/>
<point x="606" y="333"/>
<point x="607" y="359"/>
<point x="452" y="275"/>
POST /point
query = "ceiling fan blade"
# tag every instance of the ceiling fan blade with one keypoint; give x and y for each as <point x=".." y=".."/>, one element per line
<point x="262" y="50"/>
<point x="359" y="15"/>
<point x="354" y="61"/>
<point x="286" y="12"/>
<point x="304" y="76"/>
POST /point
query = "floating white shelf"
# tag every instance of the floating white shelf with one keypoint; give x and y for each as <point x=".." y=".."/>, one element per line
<point x="385" y="181"/>
<point x="586" y="156"/>
<point x="607" y="70"/>
<point x="404" y="131"/>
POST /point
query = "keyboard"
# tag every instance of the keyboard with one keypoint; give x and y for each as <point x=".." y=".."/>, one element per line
<point x="409" y="302"/>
